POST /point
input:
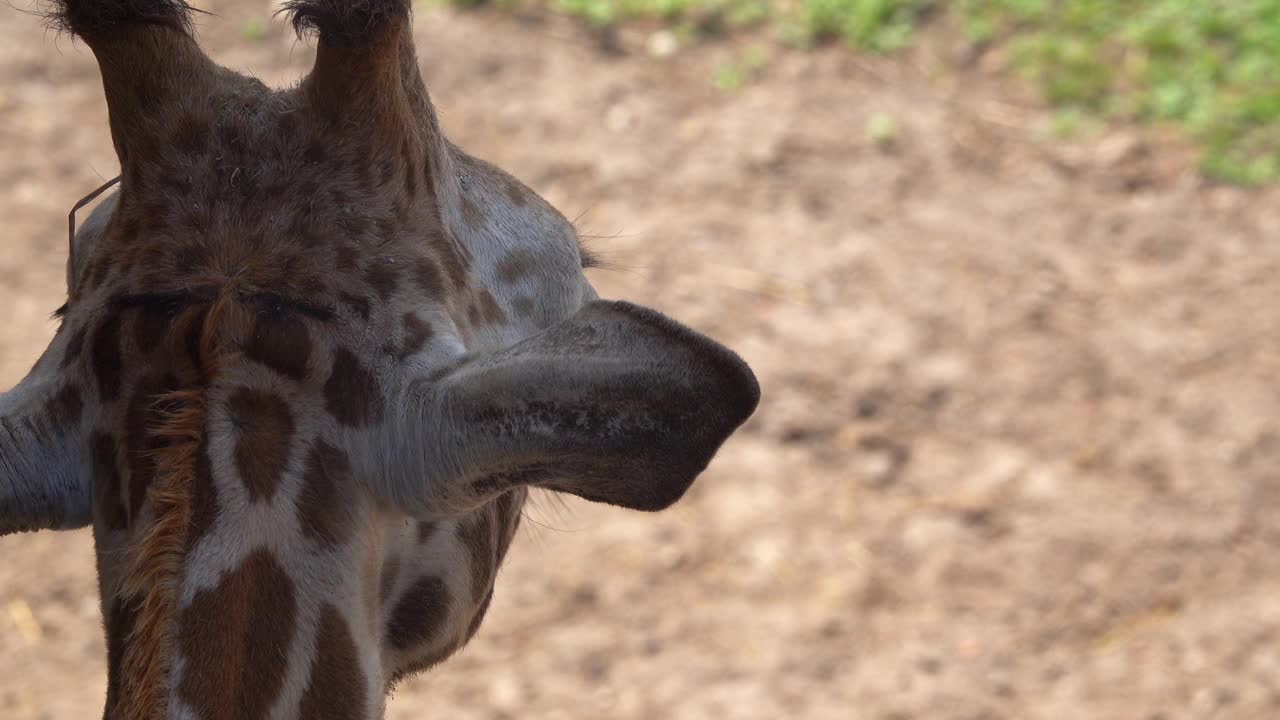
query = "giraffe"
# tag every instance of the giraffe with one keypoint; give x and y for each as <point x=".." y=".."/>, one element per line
<point x="312" y="361"/>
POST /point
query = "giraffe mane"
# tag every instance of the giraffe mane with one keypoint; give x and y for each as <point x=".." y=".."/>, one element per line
<point x="157" y="556"/>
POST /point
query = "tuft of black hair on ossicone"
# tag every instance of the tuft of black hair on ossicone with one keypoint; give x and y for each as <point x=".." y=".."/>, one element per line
<point x="344" y="23"/>
<point x="89" y="17"/>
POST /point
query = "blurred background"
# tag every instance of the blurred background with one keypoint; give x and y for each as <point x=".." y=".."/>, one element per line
<point x="1007" y="270"/>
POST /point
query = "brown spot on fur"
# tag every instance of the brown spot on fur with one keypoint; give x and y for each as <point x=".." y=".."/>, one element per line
<point x="323" y="511"/>
<point x="106" y="482"/>
<point x="347" y="258"/>
<point x="236" y="638"/>
<point x="420" y="614"/>
<point x="265" y="431"/>
<point x="517" y="192"/>
<point x="74" y="346"/>
<point x="149" y="327"/>
<point x="471" y="214"/>
<point x="455" y="266"/>
<point x="426" y="529"/>
<point x="516" y="265"/>
<point x="108" y="366"/>
<point x="427" y="274"/>
<point x="352" y="395"/>
<point x="65" y="408"/>
<point x="416" y="334"/>
<point x="524" y="306"/>
<point x="281" y="342"/>
<point x="336" y="690"/>
<point x="489" y="308"/>
<point x="384" y="279"/>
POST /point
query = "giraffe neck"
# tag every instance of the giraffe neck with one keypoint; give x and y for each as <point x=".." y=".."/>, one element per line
<point x="264" y="581"/>
<point x="265" y="635"/>
<point x="269" y="639"/>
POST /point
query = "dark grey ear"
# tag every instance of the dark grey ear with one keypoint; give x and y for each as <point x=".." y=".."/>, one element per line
<point x="618" y="404"/>
<point x="44" y="475"/>
<point x="44" y="478"/>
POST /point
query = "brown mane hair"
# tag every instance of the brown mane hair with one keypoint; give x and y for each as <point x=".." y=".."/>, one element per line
<point x="158" y="552"/>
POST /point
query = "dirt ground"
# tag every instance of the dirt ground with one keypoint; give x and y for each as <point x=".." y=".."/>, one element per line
<point x="1018" y="451"/>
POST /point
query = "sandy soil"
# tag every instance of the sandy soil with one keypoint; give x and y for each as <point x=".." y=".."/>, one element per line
<point x="1017" y="455"/>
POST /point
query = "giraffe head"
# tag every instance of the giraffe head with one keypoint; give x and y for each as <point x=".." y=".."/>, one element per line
<point x="312" y="357"/>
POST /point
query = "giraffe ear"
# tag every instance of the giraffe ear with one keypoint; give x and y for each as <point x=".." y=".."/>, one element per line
<point x="618" y="404"/>
<point x="44" y="480"/>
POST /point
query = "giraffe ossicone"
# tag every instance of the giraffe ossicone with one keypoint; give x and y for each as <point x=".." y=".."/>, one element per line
<point x="313" y="357"/>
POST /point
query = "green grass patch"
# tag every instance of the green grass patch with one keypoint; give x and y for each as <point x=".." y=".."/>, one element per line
<point x="741" y="69"/>
<point x="1211" y="67"/>
<point x="253" y="30"/>
<point x="882" y="130"/>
